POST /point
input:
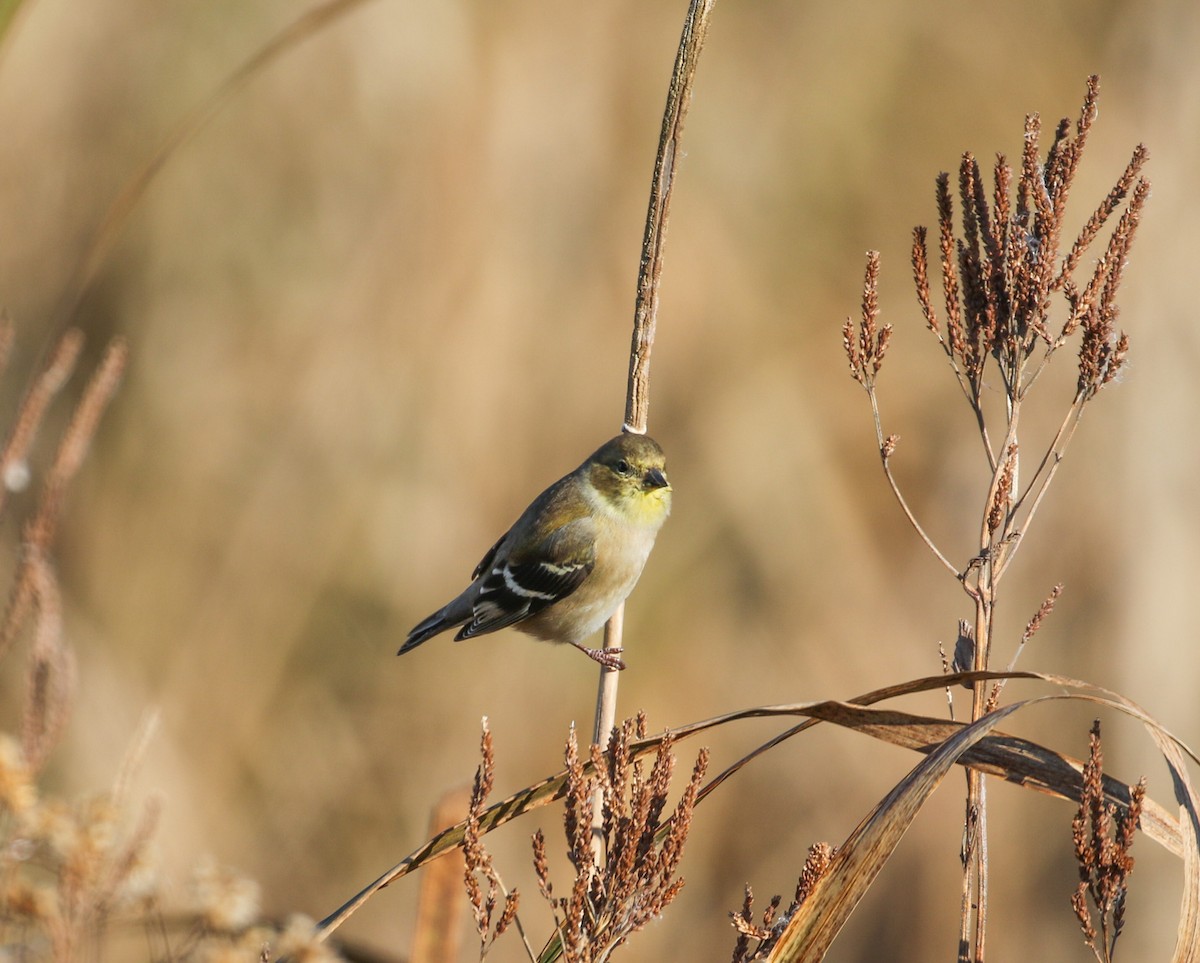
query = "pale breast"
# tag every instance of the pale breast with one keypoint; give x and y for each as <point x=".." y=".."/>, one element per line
<point x="586" y="610"/>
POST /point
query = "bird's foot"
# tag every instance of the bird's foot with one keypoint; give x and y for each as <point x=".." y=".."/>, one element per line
<point x="609" y="658"/>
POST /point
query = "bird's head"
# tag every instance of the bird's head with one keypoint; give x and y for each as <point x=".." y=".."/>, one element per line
<point x="630" y="473"/>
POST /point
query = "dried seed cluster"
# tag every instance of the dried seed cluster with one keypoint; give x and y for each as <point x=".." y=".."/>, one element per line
<point x="1003" y="267"/>
<point x="999" y="276"/>
<point x="765" y="934"/>
<point x="866" y="346"/>
<point x="633" y="881"/>
<point x="479" y="865"/>
<point x="1103" y="835"/>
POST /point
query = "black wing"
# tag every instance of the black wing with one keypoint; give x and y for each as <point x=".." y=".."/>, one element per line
<point x="517" y="588"/>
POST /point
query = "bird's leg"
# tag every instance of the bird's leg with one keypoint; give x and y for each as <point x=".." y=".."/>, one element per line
<point x="609" y="658"/>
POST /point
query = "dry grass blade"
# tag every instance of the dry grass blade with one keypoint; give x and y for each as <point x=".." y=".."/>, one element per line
<point x="1013" y="759"/>
<point x="859" y="859"/>
<point x="1187" y="940"/>
<point x="539" y="794"/>
<point x="1018" y="761"/>
<point x="118" y="212"/>
<point x="1188" y="932"/>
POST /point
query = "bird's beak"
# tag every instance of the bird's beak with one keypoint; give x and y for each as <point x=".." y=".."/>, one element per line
<point x="656" y="479"/>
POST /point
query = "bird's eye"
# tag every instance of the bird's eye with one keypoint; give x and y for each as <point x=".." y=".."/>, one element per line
<point x="622" y="467"/>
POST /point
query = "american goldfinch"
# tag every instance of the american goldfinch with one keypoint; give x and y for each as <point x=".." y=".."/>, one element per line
<point x="572" y="557"/>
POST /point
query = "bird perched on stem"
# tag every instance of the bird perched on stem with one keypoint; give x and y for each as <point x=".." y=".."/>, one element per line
<point x="572" y="557"/>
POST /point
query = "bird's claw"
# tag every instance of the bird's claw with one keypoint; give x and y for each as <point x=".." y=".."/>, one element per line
<point x="609" y="658"/>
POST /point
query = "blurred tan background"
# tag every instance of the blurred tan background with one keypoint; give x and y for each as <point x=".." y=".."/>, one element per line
<point x="386" y="296"/>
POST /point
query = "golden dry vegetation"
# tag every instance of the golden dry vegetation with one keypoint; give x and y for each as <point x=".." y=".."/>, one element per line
<point x="386" y="294"/>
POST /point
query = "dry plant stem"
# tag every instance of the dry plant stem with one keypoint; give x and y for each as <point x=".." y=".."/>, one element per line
<point x="109" y="228"/>
<point x="884" y="456"/>
<point x="606" y="718"/>
<point x="975" y="870"/>
<point x="45" y="386"/>
<point x="679" y="95"/>
<point x="437" y="933"/>
<point x="637" y="399"/>
<point x="1000" y="265"/>
<point x="993" y="538"/>
<point x="38" y="536"/>
<point x="974" y="904"/>
<point x="1049" y="464"/>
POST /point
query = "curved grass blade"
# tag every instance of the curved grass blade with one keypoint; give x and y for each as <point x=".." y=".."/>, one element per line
<point x="820" y="918"/>
<point x="858" y="862"/>
<point x="1016" y="760"/>
<point x="1011" y="758"/>
<point x="1187" y="939"/>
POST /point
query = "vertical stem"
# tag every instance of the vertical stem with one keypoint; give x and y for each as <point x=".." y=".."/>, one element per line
<point x="981" y="849"/>
<point x="437" y="934"/>
<point x="976" y="868"/>
<point x="606" y="715"/>
<point x="606" y="718"/>
<point x="679" y="96"/>
<point x="637" y="401"/>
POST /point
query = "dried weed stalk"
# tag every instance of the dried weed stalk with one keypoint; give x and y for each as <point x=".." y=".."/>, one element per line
<point x="1001" y="276"/>
<point x="1103" y="834"/>
<point x="635" y="879"/>
<point x="766" y="933"/>
<point x="72" y="870"/>
<point x="479" y="865"/>
<point x="1031" y="629"/>
<point x="1012" y="297"/>
<point x="66" y="867"/>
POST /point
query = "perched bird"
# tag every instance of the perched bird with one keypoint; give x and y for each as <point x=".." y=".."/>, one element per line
<point x="572" y="557"/>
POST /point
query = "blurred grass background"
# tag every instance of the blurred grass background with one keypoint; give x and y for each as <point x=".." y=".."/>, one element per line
<point x="386" y="296"/>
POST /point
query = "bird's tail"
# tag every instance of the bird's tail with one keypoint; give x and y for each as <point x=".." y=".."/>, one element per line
<point x="424" y="630"/>
<point x="449" y="617"/>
